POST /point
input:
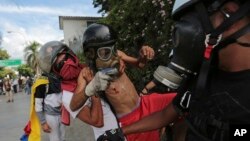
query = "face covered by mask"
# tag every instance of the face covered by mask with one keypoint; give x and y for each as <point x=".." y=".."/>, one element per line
<point x="103" y="59"/>
<point x="188" y="41"/>
<point x="68" y="67"/>
<point x="196" y="39"/>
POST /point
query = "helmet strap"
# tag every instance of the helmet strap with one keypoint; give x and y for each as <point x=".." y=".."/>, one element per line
<point x="243" y="11"/>
<point x="233" y="38"/>
<point x="205" y="68"/>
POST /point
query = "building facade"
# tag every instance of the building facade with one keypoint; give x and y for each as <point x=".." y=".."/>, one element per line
<point x="73" y="28"/>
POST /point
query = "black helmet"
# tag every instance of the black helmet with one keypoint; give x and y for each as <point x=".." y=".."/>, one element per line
<point x="48" y="53"/>
<point x="98" y="35"/>
<point x="181" y="6"/>
<point x="99" y="46"/>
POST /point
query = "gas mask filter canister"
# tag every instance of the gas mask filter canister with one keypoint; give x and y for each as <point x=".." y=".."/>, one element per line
<point x="188" y="40"/>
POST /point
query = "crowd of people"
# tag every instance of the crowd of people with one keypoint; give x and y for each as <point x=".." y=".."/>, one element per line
<point x="11" y="86"/>
<point x="208" y="70"/>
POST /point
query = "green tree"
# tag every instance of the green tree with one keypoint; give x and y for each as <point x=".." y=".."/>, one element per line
<point x="31" y="54"/>
<point x="4" y="54"/>
<point x="1" y="38"/>
<point x="6" y="71"/>
<point x="25" y="70"/>
<point x="3" y="72"/>
<point x="140" y="22"/>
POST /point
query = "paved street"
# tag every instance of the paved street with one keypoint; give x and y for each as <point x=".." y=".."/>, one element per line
<point x="14" y="116"/>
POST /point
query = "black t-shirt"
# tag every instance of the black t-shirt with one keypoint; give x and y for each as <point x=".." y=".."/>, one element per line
<point x="53" y="87"/>
<point x="40" y="91"/>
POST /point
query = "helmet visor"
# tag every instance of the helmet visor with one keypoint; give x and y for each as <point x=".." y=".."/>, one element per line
<point x="105" y="53"/>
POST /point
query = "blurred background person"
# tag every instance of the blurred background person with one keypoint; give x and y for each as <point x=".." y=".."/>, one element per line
<point x="8" y="92"/>
<point x="15" y="85"/>
<point x="1" y="87"/>
<point x="28" y="85"/>
<point x="20" y="84"/>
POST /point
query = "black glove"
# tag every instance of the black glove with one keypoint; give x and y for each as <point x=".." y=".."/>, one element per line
<point x="112" y="135"/>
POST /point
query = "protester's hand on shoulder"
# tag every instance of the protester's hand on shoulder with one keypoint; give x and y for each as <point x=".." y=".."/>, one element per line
<point x="112" y="135"/>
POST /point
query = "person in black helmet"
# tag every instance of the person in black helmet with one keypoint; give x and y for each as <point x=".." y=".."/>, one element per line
<point x="89" y="111"/>
<point x="112" y="84"/>
<point x="212" y="79"/>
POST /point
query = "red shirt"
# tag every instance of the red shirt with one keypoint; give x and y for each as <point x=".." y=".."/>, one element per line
<point x="148" y="105"/>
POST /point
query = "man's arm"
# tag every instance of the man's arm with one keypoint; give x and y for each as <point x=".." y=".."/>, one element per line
<point x="96" y="111"/>
<point x="152" y="122"/>
<point x="39" y="97"/>
<point x="79" y="97"/>
<point x="92" y="112"/>
<point x="148" y="87"/>
<point x="146" y="53"/>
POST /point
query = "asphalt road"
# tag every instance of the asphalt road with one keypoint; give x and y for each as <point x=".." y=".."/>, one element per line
<point x="14" y="116"/>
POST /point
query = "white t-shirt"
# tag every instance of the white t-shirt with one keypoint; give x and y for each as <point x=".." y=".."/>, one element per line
<point x="66" y="98"/>
<point x="109" y="119"/>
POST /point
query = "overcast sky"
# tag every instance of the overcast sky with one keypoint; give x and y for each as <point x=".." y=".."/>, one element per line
<point x="37" y="20"/>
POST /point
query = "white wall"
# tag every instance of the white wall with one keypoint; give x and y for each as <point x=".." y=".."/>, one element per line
<point x="73" y="28"/>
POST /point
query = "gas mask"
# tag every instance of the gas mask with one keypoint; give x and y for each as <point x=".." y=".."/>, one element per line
<point x="99" y="48"/>
<point x="194" y="39"/>
<point x="103" y="59"/>
<point x="107" y="58"/>
<point x="188" y="40"/>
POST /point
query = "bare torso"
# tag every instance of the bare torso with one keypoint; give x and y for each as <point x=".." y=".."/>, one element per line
<point x="122" y="95"/>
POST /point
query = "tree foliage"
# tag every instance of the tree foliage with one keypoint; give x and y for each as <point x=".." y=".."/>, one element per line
<point x="7" y="71"/>
<point x="31" y="55"/>
<point x="25" y="70"/>
<point x="140" y="22"/>
<point x="3" y="70"/>
<point x="1" y="38"/>
<point x="4" y="54"/>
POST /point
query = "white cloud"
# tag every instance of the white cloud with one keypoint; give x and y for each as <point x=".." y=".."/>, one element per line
<point x="47" y="10"/>
<point x="16" y="41"/>
<point x="34" y="23"/>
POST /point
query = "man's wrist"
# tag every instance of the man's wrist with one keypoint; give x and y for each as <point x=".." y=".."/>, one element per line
<point x="85" y="95"/>
<point x="145" y="90"/>
<point x="141" y="62"/>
